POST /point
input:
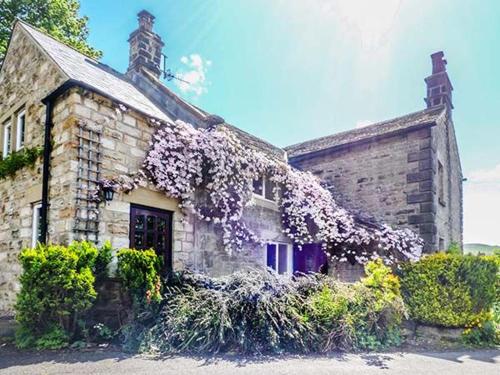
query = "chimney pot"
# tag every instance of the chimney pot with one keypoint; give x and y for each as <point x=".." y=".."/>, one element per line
<point x="439" y="88"/>
<point x="146" y="20"/>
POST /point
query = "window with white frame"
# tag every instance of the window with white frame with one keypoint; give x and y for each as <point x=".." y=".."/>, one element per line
<point x="7" y="139"/>
<point x="20" y="129"/>
<point x="264" y="187"/>
<point x="279" y="257"/>
<point x="36" y="225"/>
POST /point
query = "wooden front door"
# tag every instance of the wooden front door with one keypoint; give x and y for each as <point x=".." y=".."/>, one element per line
<point x="151" y="228"/>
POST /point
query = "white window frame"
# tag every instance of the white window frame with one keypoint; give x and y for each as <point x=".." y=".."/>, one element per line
<point x="7" y="136"/>
<point x="20" y="114"/>
<point x="36" y="221"/>
<point x="289" y="256"/>
<point x="263" y="195"/>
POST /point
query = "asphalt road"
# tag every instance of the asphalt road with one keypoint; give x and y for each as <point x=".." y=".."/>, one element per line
<point x="484" y="362"/>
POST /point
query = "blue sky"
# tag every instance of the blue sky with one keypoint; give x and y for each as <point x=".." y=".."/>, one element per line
<point x="291" y="70"/>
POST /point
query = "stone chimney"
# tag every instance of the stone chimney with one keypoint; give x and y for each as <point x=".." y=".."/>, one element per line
<point x="439" y="87"/>
<point x="145" y="46"/>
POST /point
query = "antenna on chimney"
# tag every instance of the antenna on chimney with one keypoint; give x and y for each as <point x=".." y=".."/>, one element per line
<point x="167" y="73"/>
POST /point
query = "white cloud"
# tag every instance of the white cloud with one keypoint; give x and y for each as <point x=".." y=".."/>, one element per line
<point x="193" y="77"/>
<point x="491" y="176"/>
<point x="482" y="206"/>
<point x="363" y="123"/>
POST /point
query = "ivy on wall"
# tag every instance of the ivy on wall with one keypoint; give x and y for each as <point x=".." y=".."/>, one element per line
<point x="18" y="160"/>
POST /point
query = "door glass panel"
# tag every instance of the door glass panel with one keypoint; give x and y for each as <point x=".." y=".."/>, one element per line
<point x="138" y="240"/>
<point x="162" y="224"/>
<point x="139" y="222"/>
<point x="150" y="243"/>
<point x="161" y="240"/>
<point x="151" y="222"/>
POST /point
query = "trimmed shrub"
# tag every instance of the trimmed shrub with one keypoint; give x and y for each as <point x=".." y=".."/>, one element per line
<point x="57" y="288"/>
<point x="450" y="290"/>
<point x="366" y="315"/>
<point x="139" y="271"/>
<point x="103" y="259"/>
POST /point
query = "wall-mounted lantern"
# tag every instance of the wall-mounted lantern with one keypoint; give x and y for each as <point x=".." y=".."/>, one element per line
<point x="108" y="193"/>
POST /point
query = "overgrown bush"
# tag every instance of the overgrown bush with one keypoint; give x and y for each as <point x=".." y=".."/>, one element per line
<point x="262" y="312"/>
<point x="247" y="312"/>
<point x="139" y="271"/>
<point x="57" y="288"/>
<point x="450" y="290"/>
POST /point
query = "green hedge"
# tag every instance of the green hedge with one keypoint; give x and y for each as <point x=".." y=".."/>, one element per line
<point x="57" y="290"/>
<point x="450" y="290"/>
<point x="139" y="271"/>
<point x="57" y="287"/>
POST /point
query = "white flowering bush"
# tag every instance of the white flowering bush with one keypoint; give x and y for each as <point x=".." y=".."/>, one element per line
<point x="211" y="172"/>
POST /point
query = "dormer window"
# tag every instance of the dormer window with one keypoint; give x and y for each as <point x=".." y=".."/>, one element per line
<point x="20" y="129"/>
<point x="7" y="139"/>
<point x="264" y="187"/>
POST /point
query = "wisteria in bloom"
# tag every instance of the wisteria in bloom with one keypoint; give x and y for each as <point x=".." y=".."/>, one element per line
<point x="212" y="174"/>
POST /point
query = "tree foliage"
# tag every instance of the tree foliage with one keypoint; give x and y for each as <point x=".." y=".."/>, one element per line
<point x="58" y="18"/>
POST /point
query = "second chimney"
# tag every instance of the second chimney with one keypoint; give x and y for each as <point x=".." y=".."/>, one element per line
<point x="145" y="46"/>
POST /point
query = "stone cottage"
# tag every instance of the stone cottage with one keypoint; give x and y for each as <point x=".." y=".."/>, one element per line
<point x="94" y="122"/>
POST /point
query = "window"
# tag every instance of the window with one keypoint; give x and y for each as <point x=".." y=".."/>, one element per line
<point x="36" y="225"/>
<point x="279" y="257"/>
<point x="7" y="139"/>
<point x="20" y="129"/>
<point x="264" y="187"/>
<point x="441" y="183"/>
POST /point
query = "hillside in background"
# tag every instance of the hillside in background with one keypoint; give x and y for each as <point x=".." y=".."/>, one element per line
<point x="475" y="248"/>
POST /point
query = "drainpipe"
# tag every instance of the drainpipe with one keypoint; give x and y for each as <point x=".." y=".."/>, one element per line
<point x="47" y="149"/>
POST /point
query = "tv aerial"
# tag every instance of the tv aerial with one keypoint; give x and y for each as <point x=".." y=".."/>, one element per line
<point x="167" y="73"/>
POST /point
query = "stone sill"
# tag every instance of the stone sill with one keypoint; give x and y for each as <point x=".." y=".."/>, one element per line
<point x="266" y="203"/>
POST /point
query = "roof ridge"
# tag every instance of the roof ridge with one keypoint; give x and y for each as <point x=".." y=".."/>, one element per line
<point x="364" y="128"/>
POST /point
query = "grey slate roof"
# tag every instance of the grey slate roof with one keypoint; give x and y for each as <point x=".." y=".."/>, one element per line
<point x="407" y="122"/>
<point x="90" y="72"/>
<point x="106" y="80"/>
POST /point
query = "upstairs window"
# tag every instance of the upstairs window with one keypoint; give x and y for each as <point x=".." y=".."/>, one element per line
<point x="280" y="258"/>
<point x="20" y="129"/>
<point x="264" y="187"/>
<point x="7" y="139"/>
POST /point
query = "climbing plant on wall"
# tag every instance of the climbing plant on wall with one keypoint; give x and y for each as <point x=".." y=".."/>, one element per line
<point x="212" y="175"/>
<point x="19" y="159"/>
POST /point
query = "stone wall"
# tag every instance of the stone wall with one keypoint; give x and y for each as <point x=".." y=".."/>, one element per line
<point x="196" y="245"/>
<point x="26" y="77"/>
<point x="449" y="209"/>
<point x="388" y="177"/>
